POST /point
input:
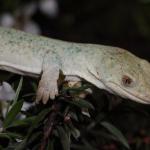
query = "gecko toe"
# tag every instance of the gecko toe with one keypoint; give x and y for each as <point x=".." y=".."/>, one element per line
<point x="45" y="97"/>
<point x="52" y="95"/>
<point x="39" y="94"/>
<point x="56" y="92"/>
<point x="46" y="92"/>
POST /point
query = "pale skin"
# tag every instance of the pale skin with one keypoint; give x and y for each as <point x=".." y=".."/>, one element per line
<point x="113" y="69"/>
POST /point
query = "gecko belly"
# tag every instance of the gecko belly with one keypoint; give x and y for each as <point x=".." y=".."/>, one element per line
<point x="20" y="69"/>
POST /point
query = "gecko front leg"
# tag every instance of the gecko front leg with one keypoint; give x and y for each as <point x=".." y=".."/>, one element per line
<point x="48" y="87"/>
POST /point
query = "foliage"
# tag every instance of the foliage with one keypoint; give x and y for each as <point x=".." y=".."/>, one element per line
<point x="66" y="123"/>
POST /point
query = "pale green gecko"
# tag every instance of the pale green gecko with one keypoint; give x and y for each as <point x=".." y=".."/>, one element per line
<point x="110" y="68"/>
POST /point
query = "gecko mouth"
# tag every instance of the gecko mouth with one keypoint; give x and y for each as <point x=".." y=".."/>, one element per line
<point x="117" y="89"/>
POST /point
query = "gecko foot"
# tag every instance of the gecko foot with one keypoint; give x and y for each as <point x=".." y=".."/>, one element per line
<point x="47" y="88"/>
<point x="44" y="95"/>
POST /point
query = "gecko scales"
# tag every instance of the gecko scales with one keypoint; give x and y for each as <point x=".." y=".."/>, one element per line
<point x="111" y="68"/>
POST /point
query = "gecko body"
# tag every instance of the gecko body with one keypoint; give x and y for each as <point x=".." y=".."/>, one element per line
<point x="113" y="69"/>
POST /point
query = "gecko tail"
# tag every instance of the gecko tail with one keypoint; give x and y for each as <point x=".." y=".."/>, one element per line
<point x="6" y="92"/>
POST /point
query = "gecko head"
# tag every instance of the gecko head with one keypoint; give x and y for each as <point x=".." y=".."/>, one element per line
<point x="129" y="77"/>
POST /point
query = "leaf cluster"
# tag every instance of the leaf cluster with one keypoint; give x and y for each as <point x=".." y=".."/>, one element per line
<point x="68" y="122"/>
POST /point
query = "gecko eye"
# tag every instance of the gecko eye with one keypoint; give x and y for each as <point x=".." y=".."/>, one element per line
<point x="127" y="81"/>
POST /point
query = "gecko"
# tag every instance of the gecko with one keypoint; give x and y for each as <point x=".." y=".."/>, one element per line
<point x="113" y="69"/>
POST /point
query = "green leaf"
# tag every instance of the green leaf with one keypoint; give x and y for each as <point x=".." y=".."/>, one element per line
<point x="13" y="112"/>
<point x="35" y="122"/>
<point x="23" y="122"/>
<point x="34" y="137"/>
<point x="74" y="131"/>
<point x="5" y="135"/>
<point x="88" y="145"/>
<point x="17" y="93"/>
<point x="65" y="140"/>
<point x="18" y="90"/>
<point x="22" y="145"/>
<point x="112" y="129"/>
<point x="76" y="89"/>
<point x="38" y="119"/>
<point x="85" y="146"/>
<point x="81" y="103"/>
<point x="74" y="116"/>
<point x="12" y="135"/>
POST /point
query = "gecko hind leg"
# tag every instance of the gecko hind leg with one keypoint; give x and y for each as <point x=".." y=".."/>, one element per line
<point x="48" y="87"/>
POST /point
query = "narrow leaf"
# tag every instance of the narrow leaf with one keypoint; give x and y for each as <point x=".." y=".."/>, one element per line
<point x="22" y="145"/>
<point x="81" y="103"/>
<point x="34" y="137"/>
<point x="38" y="119"/>
<point x="112" y="129"/>
<point x="18" y="90"/>
<point x="13" y="112"/>
<point x="23" y="122"/>
<point x="65" y="140"/>
<point x="5" y="135"/>
<point x="13" y="135"/>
